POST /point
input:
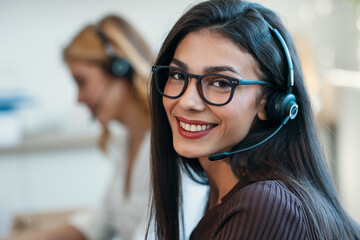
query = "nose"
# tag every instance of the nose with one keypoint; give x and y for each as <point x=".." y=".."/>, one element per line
<point x="191" y="99"/>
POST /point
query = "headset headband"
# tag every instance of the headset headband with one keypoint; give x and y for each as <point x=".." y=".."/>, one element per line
<point x="119" y="67"/>
<point x="288" y="58"/>
<point x="109" y="49"/>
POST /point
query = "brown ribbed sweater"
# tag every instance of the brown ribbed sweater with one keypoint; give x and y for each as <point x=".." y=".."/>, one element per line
<point x="262" y="210"/>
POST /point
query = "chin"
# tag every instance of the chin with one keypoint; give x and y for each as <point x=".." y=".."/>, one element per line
<point x="190" y="153"/>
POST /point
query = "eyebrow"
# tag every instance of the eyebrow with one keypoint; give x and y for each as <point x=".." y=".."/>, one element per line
<point x="180" y="64"/>
<point x="207" y="70"/>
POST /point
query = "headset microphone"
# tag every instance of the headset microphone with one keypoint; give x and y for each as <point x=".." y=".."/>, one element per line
<point x="280" y="106"/>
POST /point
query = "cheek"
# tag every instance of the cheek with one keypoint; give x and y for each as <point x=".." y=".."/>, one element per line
<point x="115" y="98"/>
<point x="167" y="104"/>
<point x="232" y="121"/>
<point x="237" y="117"/>
<point x="91" y="92"/>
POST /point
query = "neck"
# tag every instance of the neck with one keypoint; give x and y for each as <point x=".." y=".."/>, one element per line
<point x="134" y="120"/>
<point x="221" y="179"/>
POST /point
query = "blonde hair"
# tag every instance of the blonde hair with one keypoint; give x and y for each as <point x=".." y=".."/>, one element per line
<point x="128" y="44"/>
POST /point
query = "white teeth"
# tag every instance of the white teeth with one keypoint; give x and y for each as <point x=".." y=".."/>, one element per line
<point x="194" y="128"/>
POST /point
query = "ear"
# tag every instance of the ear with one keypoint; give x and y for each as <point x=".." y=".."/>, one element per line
<point x="261" y="114"/>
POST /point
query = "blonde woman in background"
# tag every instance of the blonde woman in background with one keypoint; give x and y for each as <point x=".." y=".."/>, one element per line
<point x="110" y="63"/>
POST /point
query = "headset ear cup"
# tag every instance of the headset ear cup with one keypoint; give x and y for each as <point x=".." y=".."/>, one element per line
<point x="271" y="107"/>
<point x="120" y="67"/>
<point x="290" y="106"/>
<point x="280" y="106"/>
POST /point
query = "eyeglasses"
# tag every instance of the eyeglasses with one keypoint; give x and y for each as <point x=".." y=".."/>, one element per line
<point x="214" y="89"/>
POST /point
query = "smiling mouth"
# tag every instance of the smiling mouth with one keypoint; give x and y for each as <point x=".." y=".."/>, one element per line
<point x="195" y="128"/>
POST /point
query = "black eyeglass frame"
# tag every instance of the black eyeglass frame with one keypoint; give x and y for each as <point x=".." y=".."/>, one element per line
<point x="234" y="83"/>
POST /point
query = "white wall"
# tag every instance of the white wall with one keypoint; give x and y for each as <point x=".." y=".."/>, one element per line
<point x="346" y="103"/>
<point x="349" y="150"/>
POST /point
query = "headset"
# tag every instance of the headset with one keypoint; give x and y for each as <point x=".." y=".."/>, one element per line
<point x="280" y="106"/>
<point x="119" y="67"/>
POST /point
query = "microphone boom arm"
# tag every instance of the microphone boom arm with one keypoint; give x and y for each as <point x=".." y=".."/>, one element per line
<point x="222" y="155"/>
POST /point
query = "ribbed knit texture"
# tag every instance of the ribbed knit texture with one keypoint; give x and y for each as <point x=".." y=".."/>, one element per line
<point x="262" y="210"/>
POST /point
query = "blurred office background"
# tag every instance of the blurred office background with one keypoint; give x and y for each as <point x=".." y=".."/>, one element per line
<point x="49" y="162"/>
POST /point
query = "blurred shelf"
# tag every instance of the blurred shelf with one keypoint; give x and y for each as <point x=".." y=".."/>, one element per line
<point x="53" y="141"/>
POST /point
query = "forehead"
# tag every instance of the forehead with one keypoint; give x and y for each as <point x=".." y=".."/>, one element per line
<point x="204" y="48"/>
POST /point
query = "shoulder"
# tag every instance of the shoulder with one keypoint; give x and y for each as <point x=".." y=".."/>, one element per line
<point x="266" y="193"/>
<point x="265" y="210"/>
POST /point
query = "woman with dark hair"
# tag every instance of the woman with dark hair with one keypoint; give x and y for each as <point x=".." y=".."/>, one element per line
<point x="229" y="105"/>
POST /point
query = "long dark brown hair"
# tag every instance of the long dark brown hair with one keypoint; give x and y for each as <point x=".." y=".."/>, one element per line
<point x="293" y="155"/>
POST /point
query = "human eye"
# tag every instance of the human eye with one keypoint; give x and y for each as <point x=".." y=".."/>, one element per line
<point x="220" y="82"/>
<point x="177" y="75"/>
